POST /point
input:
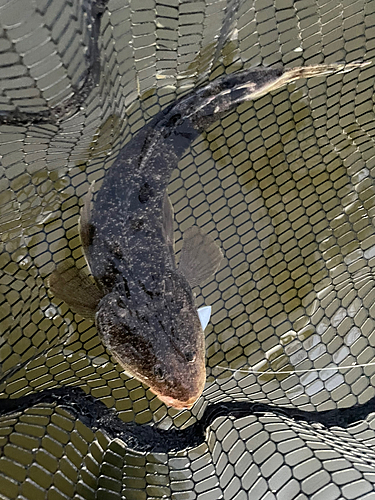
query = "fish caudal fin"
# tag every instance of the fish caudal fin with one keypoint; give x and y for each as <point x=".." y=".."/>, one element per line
<point x="200" y="256"/>
<point x="71" y="285"/>
<point x="224" y="94"/>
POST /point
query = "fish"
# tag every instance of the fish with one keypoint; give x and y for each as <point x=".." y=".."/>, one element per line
<point x="142" y="302"/>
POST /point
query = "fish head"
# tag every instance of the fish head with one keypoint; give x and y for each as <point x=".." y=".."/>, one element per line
<point x="160" y="342"/>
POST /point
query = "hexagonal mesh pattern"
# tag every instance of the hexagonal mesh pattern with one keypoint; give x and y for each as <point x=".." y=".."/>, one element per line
<point x="284" y="184"/>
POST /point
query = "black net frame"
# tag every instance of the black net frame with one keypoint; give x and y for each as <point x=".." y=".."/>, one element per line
<point x="284" y="183"/>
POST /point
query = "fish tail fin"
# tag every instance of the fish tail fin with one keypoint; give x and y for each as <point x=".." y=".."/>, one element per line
<point x="224" y="94"/>
<point x="184" y="120"/>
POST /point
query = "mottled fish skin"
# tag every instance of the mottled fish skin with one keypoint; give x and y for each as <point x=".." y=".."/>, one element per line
<point x="146" y="316"/>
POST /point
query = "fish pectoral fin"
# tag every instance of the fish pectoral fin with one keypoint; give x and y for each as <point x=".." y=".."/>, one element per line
<point x="74" y="287"/>
<point x="200" y="256"/>
<point x="168" y="222"/>
<point x="84" y="224"/>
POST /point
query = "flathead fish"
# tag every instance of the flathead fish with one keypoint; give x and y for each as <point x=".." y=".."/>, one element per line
<point x="141" y="301"/>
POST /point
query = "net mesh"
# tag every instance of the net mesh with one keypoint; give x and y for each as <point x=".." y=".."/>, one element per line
<point x="284" y="184"/>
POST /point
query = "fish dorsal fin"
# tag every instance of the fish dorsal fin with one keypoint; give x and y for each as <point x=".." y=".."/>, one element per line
<point x="84" y="224"/>
<point x="168" y="223"/>
<point x="74" y="287"/>
<point x="200" y="256"/>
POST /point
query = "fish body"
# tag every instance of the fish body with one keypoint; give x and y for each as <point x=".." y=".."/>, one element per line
<point x="143" y="303"/>
<point x="147" y="316"/>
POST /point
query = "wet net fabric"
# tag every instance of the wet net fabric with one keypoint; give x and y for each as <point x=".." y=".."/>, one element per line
<point x="285" y="184"/>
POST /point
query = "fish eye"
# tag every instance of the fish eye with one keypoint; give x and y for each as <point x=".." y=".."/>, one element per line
<point x="158" y="372"/>
<point x="190" y="356"/>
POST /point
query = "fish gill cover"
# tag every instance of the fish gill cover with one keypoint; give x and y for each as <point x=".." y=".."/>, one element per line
<point x="284" y="184"/>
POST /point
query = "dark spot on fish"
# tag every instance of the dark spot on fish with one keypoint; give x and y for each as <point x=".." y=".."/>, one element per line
<point x="137" y="224"/>
<point x="117" y="251"/>
<point x="108" y="277"/>
<point x="147" y="292"/>
<point x="190" y="356"/>
<point x="126" y="288"/>
<point x="169" y="126"/>
<point x="91" y="232"/>
<point x="158" y="372"/>
<point x="121" y="303"/>
<point x="186" y="135"/>
<point x="173" y="120"/>
<point x="123" y="291"/>
<point x="145" y="193"/>
<point x="174" y="333"/>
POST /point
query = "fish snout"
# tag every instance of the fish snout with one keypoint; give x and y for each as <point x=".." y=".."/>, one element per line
<point x="183" y="393"/>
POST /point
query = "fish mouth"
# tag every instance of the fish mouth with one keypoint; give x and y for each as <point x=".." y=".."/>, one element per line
<point x="176" y="403"/>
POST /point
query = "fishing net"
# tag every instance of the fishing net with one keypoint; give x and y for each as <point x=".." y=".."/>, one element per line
<point x="284" y="184"/>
